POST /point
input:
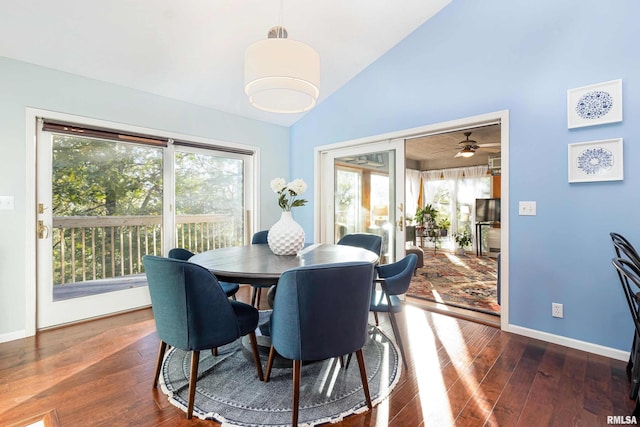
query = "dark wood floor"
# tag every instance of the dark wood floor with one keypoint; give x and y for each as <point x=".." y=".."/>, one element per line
<point x="99" y="373"/>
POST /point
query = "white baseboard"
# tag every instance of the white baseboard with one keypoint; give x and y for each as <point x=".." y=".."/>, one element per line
<point x="571" y="343"/>
<point x="16" y="335"/>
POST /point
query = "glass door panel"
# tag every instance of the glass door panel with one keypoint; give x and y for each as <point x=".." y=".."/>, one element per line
<point x="100" y="211"/>
<point x="365" y="198"/>
<point x="210" y="202"/>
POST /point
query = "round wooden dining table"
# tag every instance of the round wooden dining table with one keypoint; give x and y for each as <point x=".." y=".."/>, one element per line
<point x="257" y="264"/>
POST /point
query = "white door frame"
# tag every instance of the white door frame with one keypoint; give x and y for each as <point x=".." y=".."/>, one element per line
<point x="502" y="117"/>
<point x="31" y="116"/>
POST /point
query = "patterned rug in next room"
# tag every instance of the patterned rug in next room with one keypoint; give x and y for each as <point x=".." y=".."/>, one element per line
<point x="465" y="281"/>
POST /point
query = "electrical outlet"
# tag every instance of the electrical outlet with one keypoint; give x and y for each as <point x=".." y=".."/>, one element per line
<point x="556" y="310"/>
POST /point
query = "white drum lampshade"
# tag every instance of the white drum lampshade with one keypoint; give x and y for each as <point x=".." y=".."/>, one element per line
<point x="282" y="75"/>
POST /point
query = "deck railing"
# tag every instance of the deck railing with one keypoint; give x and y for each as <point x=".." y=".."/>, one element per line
<point x="93" y="248"/>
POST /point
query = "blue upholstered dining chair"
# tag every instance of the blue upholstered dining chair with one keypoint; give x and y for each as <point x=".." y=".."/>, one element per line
<point x="321" y="312"/>
<point x="394" y="279"/>
<point x="192" y="313"/>
<point x="230" y="289"/>
<point x="258" y="238"/>
<point x="369" y="241"/>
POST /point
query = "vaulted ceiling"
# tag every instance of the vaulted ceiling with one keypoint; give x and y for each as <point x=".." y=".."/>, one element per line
<point x="193" y="50"/>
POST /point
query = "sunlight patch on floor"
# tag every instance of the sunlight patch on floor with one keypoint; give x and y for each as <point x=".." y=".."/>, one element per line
<point x="424" y="352"/>
<point x="455" y="345"/>
<point x="456" y="260"/>
<point x="382" y="409"/>
<point x="436" y="296"/>
<point x="328" y="377"/>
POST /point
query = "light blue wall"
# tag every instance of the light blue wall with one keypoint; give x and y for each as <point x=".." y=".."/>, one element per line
<point x="23" y="85"/>
<point x="476" y="57"/>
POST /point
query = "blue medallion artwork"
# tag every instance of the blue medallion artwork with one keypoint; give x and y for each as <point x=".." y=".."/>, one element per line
<point x="595" y="161"/>
<point x="595" y="104"/>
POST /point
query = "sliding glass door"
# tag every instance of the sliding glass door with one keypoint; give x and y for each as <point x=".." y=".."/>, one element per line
<point x="103" y="204"/>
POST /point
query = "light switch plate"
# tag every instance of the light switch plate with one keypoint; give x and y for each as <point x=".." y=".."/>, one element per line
<point x="527" y="208"/>
<point x="6" y="202"/>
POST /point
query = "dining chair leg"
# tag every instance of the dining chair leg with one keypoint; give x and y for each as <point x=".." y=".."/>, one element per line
<point x="396" y="332"/>
<point x="297" y="364"/>
<point x="161" y="350"/>
<point x="254" y="295"/>
<point x="363" y="377"/>
<point x="375" y="316"/>
<point x="272" y="354"/>
<point x="193" y="378"/>
<point x="214" y="351"/>
<point x="256" y="354"/>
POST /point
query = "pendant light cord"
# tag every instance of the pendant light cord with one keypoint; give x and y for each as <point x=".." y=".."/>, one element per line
<point x="281" y="21"/>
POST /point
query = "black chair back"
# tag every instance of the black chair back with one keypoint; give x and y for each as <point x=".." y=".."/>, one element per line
<point x="629" y="274"/>
<point x="624" y="248"/>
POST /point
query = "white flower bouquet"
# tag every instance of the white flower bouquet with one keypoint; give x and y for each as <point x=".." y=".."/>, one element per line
<point x="288" y="193"/>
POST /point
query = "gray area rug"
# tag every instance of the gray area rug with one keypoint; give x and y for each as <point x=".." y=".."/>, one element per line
<point x="228" y="389"/>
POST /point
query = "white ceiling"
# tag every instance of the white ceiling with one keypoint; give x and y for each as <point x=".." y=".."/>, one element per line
<point x="193" y="50"/>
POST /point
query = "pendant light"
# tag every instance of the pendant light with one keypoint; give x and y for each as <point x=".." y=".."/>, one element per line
<point x="281" y="75"/>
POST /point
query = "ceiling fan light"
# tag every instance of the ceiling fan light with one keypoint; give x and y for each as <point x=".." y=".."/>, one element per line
<point x="282" y="75"/>
<point x="467" y="152"/>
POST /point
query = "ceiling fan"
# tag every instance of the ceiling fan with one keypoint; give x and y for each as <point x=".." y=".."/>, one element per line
<point x="468" y="147"/>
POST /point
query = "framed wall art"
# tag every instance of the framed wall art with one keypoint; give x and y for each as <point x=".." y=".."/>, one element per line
<point x="595" y="104"/>
<point x="596" y="161"/>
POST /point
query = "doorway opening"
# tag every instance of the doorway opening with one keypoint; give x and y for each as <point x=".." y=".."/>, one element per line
<point x="453" y="198"/>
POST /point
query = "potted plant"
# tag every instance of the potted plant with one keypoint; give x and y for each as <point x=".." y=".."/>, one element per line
<point x="419" y="216"/>
<point x="442" y="224"/>
<point x="463" y="239"/>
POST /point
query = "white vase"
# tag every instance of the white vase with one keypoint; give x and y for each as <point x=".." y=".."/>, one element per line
<point x="285" y="237"/>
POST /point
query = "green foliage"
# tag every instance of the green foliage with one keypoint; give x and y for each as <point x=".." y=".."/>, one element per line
<point x="208" y="184"/>
<point x="425" y="214"/>
<point x="344" y="195"/>
<point x="92" y="177"/>
<point x="463" y="239"/>
<point x="432" y="218"/>
<point x="103" y="178"/>
<point x="442" y="221"/>
<point x="97" y="178"/>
